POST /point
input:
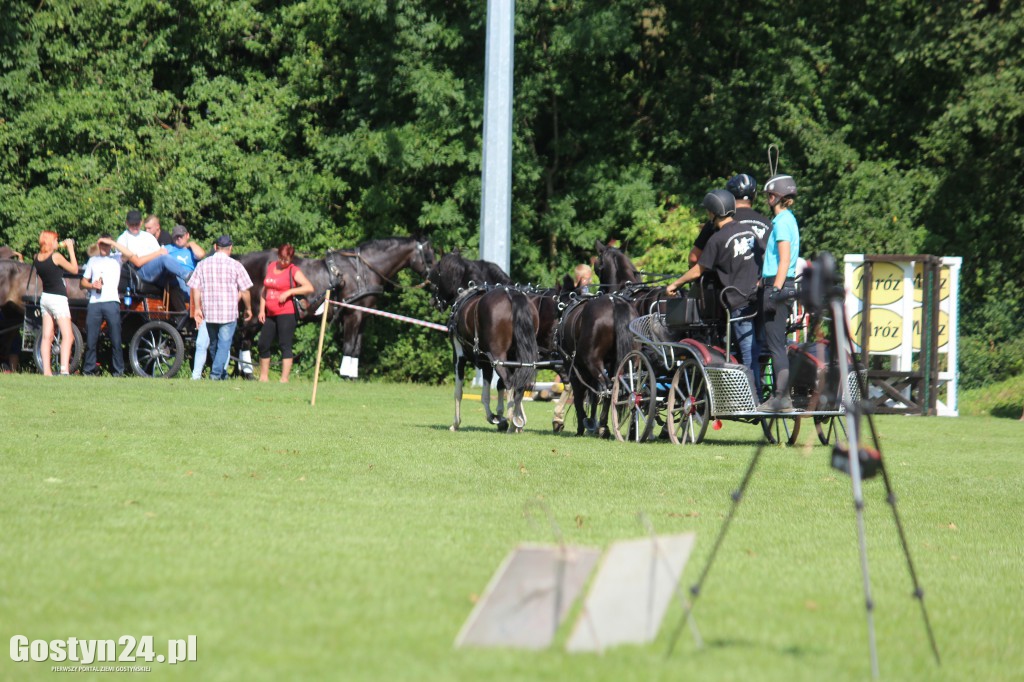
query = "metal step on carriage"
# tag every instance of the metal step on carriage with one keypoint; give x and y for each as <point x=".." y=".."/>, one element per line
<point x="680" y="380"/>
<point x="154" y="329"/>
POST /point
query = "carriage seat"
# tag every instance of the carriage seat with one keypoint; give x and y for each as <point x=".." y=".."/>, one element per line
<point x="140" y="287"/>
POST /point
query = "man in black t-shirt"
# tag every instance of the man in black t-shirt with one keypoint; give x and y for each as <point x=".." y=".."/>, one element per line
<point x="744" y="188"/>
<point x="730" y="254"/>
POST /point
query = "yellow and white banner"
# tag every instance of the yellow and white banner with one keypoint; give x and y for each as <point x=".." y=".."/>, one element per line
<point x="896" y="309"/>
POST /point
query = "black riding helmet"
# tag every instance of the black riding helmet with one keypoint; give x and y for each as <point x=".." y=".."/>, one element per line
<point x="743" y="186"/>
<point x="720" y="202"/>
<point x="781" y="185"/>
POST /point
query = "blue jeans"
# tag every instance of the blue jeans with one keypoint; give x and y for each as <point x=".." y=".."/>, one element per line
<point x="746" y="340"/>
<point x="162" y="268"/>
<point x="221" y="336"/>
<point x="202" y="345"/>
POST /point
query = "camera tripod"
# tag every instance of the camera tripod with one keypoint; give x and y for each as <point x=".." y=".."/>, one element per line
<point x="819" y="293"/>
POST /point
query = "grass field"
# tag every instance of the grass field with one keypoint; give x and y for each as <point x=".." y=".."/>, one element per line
<point x="347" y="541"/>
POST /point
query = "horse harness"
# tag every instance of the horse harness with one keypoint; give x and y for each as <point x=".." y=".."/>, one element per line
<point x="575" y="302"/>
<point x="465" y="295"/>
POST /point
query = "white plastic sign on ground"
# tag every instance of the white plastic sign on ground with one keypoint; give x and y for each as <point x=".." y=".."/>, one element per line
<point x="529" y="597"/>
<point x="628" y="599"/>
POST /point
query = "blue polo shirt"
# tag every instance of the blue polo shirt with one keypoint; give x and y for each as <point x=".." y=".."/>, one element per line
<point x="784" y="229"/>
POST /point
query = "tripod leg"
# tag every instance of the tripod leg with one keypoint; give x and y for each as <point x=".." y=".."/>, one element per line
<point x="869" y="603"/>
<point x="737" y="495"/>
<point x="890" y="497"/>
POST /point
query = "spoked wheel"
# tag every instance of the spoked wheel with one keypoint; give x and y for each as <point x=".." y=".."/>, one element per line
<point x="77" y="348"/>
<point x="157" y="350"/>
<point x="633" y="396"/>
<point x="830" y="429"/>
<point x="689" y="404"/>
<point x="780" y="429"/>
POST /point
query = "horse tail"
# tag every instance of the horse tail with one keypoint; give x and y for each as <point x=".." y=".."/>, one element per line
<point x="524" y="341"/>
<point x="622" y="314"/>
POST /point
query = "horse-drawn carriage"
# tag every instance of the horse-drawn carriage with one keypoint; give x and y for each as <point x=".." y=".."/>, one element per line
<point x="681" y="379"/>
<point x="154" y="329"/>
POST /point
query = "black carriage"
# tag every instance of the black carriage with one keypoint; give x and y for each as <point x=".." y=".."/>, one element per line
<point x="155" y="328"/>
<point x="681" y="379"/>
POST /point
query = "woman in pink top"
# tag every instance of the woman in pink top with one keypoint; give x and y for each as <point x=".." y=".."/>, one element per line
<point x="282" y="283"/>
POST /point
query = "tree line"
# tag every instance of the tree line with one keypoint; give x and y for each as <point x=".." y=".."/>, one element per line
<point x="325" y="123"/>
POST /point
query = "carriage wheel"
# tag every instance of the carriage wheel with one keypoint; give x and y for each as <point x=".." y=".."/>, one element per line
<point x="781" y="429"/>
<point x="830" y="429"/>
<point x="156" y="350"/>
<point x="689" y="404"/>
<point x="633" y="396"/>
<point x="77" y="348"/>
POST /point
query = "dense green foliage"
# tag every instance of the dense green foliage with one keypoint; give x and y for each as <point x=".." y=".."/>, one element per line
<point x="327" y="122"/>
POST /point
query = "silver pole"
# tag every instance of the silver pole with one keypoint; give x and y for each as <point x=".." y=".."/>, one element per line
<point x="496" y="200"/>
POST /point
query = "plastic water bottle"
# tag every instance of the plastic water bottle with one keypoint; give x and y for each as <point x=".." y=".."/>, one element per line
<point x="128" y="295"/>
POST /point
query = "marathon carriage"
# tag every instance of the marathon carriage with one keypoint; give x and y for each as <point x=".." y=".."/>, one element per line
<point x="680" y="379"/>
<point x="154" y="329"/>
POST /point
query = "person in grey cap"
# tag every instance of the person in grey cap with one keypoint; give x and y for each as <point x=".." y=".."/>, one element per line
<point x="185" y="251"/>
<point x="217" y="285"/>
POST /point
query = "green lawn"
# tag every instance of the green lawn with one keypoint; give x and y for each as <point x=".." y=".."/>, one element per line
<point x="347" y="541"/>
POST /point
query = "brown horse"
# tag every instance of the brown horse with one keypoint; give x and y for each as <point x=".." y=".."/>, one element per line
<point x="492" y="327"/>
<point x="593" y="337"/>
<point x="355" y="276"/>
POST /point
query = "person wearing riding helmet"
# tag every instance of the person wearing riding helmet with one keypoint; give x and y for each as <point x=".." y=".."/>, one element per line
<point x="779" y="276"/>
<point x="730" y="254"/>
<point x="744" y="188"/>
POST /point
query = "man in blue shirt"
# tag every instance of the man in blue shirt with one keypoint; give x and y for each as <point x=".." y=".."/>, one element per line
<point x="185" y="251"/>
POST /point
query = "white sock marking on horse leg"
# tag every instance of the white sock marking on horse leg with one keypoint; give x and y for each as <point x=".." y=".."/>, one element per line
<point x="245" y="360"/>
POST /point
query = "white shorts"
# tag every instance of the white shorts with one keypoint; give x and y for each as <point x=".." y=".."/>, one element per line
<point x="55" y="304"/>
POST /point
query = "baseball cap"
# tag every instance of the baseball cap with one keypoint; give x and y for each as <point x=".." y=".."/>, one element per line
<point x="134" y="217"/>
<point x="178" y="231"/>
<point x="224" y="240"/>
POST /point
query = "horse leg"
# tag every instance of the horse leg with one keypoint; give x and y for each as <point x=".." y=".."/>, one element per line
<point x="245" y="352"/>
<point x="459" y="360"/>
<point x="503" y="399"/>
<point x="352" y="330"/>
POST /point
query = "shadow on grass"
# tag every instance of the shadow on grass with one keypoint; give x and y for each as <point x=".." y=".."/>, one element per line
<point x="1007" y="411"/>
<point x="796" y="650"/>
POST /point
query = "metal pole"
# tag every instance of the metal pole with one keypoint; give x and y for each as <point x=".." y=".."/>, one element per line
<point x="496" y="199"/>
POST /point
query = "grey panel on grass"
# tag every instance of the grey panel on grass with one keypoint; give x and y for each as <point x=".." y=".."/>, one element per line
<point x="628" y="598"/>
<point x="528" y="597"/>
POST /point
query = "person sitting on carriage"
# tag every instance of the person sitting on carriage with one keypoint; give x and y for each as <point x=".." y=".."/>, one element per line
<point x="730" y="254"/>
<point x="142" y="250"/>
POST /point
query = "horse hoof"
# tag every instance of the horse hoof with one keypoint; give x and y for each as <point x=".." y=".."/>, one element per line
<point x="557" y="427"/>
<point x="453" y="427"/>
<point x="503" y="426"/>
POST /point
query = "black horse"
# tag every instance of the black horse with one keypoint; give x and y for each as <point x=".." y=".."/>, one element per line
<point x="618" y="274"/>
<point x="493" y="327"/>
<point x="593" y="336"/>
<point x="355" y="276"/>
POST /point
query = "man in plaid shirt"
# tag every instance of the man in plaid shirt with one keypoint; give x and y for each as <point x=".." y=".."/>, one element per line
<point x="217" y="284"/>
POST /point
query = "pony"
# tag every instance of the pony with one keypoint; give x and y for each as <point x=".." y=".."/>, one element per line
<point x="493" y="327"/>
<point x="357" y="276"/>
<point x="593" y="336"/>
<point x="618" y="274"/>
